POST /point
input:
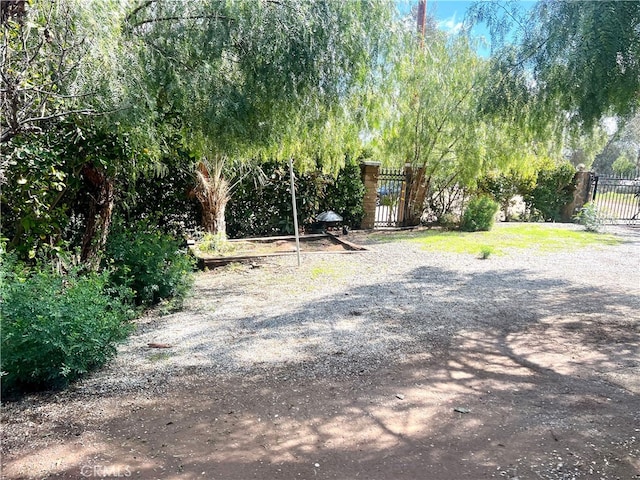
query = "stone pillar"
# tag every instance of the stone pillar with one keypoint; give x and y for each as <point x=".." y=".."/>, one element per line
<point x="582" y="181"/>
<point x="369" y="172"/>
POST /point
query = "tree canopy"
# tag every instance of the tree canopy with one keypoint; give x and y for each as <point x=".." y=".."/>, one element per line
<point x="237" y="77"/>
<point x="580" y="58"/>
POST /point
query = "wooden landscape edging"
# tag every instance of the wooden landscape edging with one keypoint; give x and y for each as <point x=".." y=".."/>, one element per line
<point x="213" y="262"/>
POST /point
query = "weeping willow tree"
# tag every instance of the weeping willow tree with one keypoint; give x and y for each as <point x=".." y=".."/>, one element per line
<point x="580" y="60"/>
<point x="439" y="119"/>
<point x="433" y="121"/>
<point x="241" y="81"/>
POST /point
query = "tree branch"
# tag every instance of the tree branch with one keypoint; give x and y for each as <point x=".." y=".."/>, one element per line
<point x="11" y="132"/>
<point x="178" y="17"/>
<point x="137" y="9"/>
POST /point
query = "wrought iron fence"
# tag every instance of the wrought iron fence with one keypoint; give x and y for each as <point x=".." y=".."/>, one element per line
<point x="390" y="198"/>
<point x="618" y="198"/>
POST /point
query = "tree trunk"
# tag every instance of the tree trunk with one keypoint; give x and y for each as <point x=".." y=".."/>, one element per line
<point x="417" y="194"/>
<point x="212" y="191"/>
<point x="98" y="218"/>
<point x="213" y="217"/>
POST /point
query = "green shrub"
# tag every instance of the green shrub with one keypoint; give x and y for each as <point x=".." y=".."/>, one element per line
<point x="449" y="221"/>
<point x="345" y="195"/>
<point x="151" y="263"/>
<point x="262" y="206"/>
<point x="479" y="215"/>
<point x="504" y="186"/>
<point x="591" y="217"/>
<point x="57" y="327"/>
<point x="215" y="243"/>
<point x="554" y="189"/>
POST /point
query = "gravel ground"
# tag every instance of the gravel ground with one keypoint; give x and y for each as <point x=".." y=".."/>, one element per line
<point x="357" y="310"/>
<point x="545" y="347"/>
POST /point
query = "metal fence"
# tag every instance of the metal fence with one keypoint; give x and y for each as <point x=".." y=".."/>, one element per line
<point x="618" y="197"/>
<point x="390" y="198"/>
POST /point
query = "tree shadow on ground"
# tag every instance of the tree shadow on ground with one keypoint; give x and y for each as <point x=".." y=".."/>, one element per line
<point x="506" y="375"/>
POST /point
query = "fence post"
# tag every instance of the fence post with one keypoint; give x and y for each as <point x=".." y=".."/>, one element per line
<point x="582" y="181"/>
<point x="369" y="172"/>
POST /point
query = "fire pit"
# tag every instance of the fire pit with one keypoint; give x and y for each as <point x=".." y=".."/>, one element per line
<point x="326" y="221"/>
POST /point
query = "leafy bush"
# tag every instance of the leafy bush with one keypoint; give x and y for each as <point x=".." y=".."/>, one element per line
<point x="263" y="206"/>
<point x="554" y="189"/>
<point x="479" y="214"/>
<point x="151" y="263"/>
<point x="591" y="217"/>
<point x="504" y="186"/>
<point x="55" y="328"/>
<point x="165" y="199"/>
<point x="215" y="243"/>
<point x="345" y="195"/>
<point x="449" y="221"/>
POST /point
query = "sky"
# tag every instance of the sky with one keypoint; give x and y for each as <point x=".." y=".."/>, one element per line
<point x="450" y="16"/>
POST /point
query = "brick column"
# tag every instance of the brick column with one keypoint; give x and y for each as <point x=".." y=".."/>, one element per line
<point x="369" y="172"/>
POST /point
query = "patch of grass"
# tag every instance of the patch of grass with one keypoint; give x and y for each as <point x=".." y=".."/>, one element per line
<point x="324" y="269"/>
<point x="485" y="252"/>
<point x="159" y="356"/>
<point x="503" y="238"/>
<point x="216" y="244"/>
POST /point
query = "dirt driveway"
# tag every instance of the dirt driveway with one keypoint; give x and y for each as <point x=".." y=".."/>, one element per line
<point x="397" y="363"/>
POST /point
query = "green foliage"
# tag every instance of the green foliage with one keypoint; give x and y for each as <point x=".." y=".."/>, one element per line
<point x="431" y="104"/>
<point x="554" y="189"/>
<point x="256" y="90"/>
<point x="37" y="180"/>
<point x="151" y="263"/>
<point x="583" y="56"/>
<point x="623" y="166"/>
<point x="55" y="328"/>
<point x="261" y="205"/>
<point x="449" y="221"/>
<point x="504" y="186"/>
<point x="345" y="195"/>
<point x="591" y="217"/>
<point x="47" y="199"/>
<point x="166" y="198"/>
<point x="485" y="252"/>
<point x="479" y="215"/>
<point x="65" y="59"/>
<point x="216" y="243"/>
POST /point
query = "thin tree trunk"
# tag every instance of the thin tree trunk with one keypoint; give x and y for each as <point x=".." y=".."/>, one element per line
<point x="98" y="218"/>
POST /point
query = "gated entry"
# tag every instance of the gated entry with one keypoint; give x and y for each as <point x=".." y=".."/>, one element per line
<point x="390" y="198"/>
<point x="618" y="198"/>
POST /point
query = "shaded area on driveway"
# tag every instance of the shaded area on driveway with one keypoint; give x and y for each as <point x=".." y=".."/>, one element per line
<point x="546" y="369"/>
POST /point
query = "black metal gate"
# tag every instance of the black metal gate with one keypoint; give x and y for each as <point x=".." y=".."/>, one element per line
<point x="390" y="199"/>
<point x="618" y="198"/>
